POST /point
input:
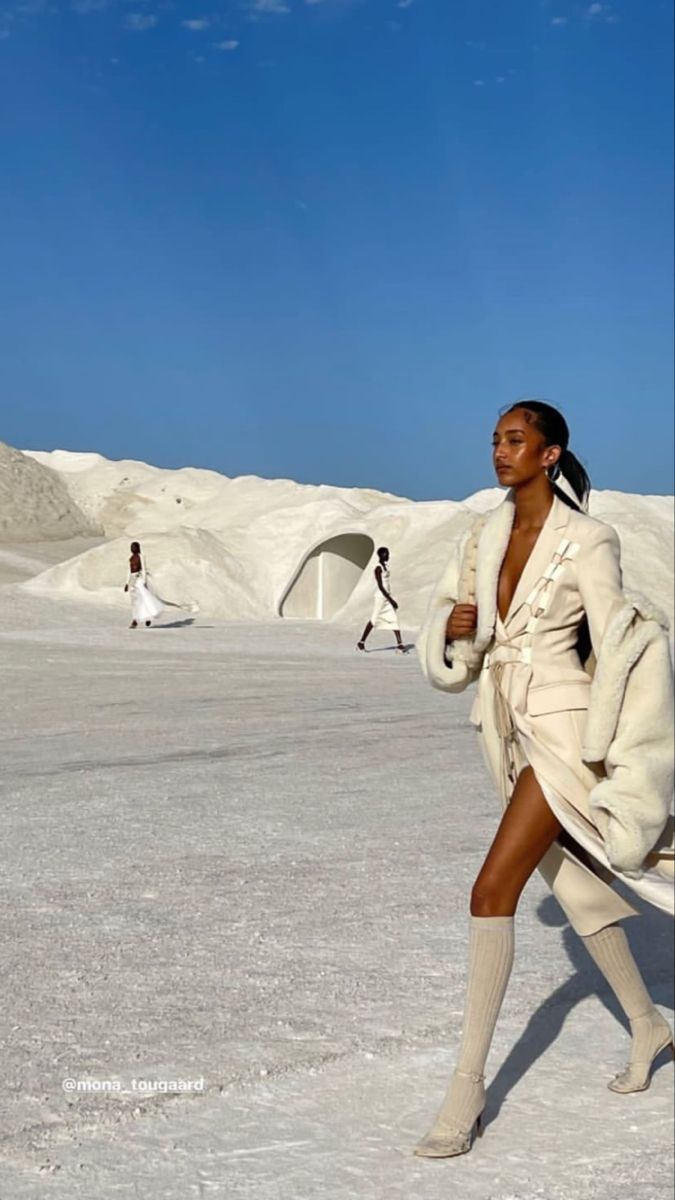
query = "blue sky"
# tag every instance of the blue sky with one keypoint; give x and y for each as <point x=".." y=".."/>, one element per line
<point x="329" y="240"/>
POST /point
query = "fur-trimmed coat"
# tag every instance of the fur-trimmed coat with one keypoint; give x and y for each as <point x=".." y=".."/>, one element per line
<point x="598" y="734"/>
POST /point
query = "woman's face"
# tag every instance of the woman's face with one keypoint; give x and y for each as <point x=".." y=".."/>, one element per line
<point x="519" y="454"/>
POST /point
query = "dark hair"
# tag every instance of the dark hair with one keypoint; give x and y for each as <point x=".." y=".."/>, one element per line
<point x="135" y="547"/>
<point x="554" y="429"/>
<point x="382" y="550"/>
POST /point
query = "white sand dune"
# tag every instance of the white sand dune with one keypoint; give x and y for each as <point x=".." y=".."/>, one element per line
<point x="235" y="546"/>
<point x="134" y="498"/>
<point x="35" y="504"/>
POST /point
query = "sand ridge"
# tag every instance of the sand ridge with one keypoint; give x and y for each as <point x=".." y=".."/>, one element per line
<point x="35" y="503"/>
<point x="233" y="545"/>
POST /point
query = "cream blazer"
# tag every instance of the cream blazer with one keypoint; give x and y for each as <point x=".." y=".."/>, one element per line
<point x="534" y="694"/>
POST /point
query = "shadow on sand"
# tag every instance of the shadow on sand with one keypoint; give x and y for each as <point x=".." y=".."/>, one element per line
<point x="407" y="646"/>
<point x="651" y="938"/>
<point x="181" y="624"/>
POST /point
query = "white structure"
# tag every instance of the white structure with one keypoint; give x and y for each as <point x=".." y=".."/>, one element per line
<point x="327" y="577"/>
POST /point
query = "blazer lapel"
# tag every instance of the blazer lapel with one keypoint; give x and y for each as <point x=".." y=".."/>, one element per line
<point x="492" y="546"/>
<point x="542" y="552"/>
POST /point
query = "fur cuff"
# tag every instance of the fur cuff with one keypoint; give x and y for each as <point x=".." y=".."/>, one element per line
<point x="431" y="648"/>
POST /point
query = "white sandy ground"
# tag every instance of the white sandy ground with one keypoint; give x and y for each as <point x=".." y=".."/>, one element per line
<point x="243" y="852"/>
<point x="20" y="563"/>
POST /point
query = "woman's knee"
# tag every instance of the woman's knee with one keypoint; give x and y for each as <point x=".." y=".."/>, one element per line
<point x="490" y="899"/>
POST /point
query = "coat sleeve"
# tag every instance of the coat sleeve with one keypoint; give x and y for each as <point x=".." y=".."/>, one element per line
<point x="599" y="579"/>
<point x="632" y="804"/>
<point x="629" y="722"/>
<point x="451" y="668"/>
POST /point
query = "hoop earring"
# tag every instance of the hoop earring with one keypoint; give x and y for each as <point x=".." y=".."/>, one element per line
<point x="553" y="471"/>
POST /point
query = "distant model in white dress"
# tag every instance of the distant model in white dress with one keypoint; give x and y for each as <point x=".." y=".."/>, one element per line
<point x="385" y="608"/>
<point x="145" y="605"/>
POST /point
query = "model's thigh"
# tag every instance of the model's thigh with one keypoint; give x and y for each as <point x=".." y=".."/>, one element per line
<point x="526" y="831"/>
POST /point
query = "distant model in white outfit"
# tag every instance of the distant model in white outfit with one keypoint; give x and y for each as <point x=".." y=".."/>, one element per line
<point x="145" y="605"/>
<point x="385" y="607"/>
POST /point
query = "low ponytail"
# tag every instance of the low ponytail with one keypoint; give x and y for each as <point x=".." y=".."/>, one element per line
<point x="577" y="477"/>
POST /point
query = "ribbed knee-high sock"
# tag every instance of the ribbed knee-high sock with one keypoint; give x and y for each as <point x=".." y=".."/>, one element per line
<point x="610" y="951"/>
<point x="491" y="947"/>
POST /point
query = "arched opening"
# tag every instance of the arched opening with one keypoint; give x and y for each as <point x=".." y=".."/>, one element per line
<point x="327" y="577"/>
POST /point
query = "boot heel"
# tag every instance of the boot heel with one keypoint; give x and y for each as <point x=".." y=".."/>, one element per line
<point x="480" y="1127"/>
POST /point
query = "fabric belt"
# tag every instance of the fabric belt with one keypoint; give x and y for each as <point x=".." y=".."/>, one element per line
<point x="505" y="725"/>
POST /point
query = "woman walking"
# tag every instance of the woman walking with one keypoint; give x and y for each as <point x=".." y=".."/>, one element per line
<point x="582" y="762"/>
<point x="385" y="607"/>
<point x="145" y="605"/>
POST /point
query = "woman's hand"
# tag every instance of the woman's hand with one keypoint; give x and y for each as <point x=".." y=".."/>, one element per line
<point x="461" y="622"/>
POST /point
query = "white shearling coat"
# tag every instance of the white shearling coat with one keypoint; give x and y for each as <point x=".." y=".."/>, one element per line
<point x="600" y="745"/>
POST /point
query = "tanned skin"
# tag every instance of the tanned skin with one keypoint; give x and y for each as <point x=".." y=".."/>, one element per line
<point x="384" y="559"/>
<point x="135" y="565"/>
<point x="528" y="828"/>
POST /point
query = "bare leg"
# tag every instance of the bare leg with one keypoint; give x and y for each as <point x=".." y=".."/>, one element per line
<point x="526" y="831"/>
<point x="508" y="866"/>
<point x="399" y="641"/>
<point x="362" y="644"/>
